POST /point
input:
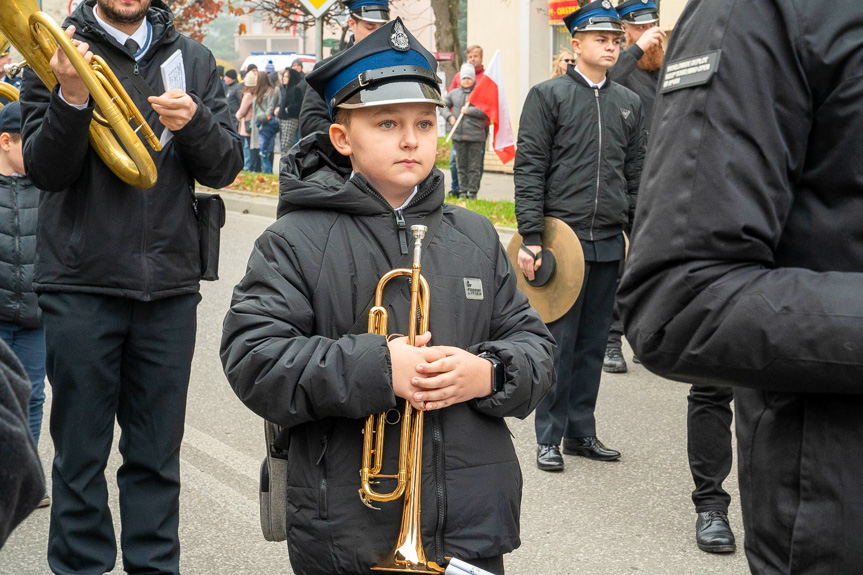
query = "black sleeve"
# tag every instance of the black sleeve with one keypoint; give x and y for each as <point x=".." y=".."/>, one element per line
<point x="532" y="158"/>
<point x="627" y="62"/>
<point x="634" y="160"/>
<point x="703" y="299"/>
<point x="22" y="483"/>
<point x="54" y="134"/>
<point x="314" y="115"/>
<point x="276" y="364"/>
<point x="209" y="145"/>
<point x="522" y="342"/>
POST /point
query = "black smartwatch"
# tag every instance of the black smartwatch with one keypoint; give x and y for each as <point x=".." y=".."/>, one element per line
<point x="499" y="371"/>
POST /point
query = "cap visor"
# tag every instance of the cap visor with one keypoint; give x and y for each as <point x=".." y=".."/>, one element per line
<point x="645" y="18"/>
<point x="600" y="27"/>
<point x="373" y="15"/>
<point x="393" y="93"/>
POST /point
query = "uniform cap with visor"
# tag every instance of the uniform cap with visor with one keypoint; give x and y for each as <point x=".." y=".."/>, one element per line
<point x="389" y="66"/>
<point x="369" y="10"/>
<point x="638" y="11"/>
<point x="598" y="16"/>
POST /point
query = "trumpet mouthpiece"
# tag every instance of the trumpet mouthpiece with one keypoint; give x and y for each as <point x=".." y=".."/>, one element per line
<point x="419" y="232"/>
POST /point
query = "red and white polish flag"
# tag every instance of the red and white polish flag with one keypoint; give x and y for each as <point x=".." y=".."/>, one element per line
<point x="490" y="97"/>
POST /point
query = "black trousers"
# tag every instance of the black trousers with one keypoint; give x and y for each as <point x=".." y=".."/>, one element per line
<point x="581" y="334"/>
<point x="708" y="431"/>
<point x="113" y="357"/>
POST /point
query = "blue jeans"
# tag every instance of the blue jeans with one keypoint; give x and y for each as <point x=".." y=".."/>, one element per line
<point x="453" y="169"/>
<point x="251" y="159"/>
<point x="29" y="346"/>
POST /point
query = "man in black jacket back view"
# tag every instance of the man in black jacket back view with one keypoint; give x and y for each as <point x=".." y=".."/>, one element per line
<point x="580" y="148"/>
<point x="747" y="260"/>
<point x="117" y="273"/>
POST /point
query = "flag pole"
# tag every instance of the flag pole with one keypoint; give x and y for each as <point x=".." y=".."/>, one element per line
<point x="454" y="126"/>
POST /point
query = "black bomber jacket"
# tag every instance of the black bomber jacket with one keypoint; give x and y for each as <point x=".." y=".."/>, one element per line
<point x="559" y="169"/>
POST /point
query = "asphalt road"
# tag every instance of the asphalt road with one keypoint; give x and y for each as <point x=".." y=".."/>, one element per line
<point x="632" y="516"/>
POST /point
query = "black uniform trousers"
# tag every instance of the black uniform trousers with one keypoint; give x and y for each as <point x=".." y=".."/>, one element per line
<point x="113" y="357"/>
<point x="581" y="335"/>
<point x="708" y="431"/>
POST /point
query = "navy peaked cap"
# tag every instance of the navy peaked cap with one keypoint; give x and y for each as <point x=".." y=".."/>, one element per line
<point x="369" y="10"/>
<point x="388" y="66"/>
<point x="596" y="16"/>
<point x="10" y="118"/>
<point x="638" y="11"/>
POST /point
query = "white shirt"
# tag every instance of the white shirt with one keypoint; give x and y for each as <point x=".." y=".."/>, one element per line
<point x="407" y="201"/>
<point x="591" y="83"/>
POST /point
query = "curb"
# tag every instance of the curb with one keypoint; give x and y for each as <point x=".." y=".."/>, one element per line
<point x="265" y="206"/>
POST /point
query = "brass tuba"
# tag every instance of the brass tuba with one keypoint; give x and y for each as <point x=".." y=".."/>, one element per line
<point x="408" y="555"/>
<point x="36" y="36"/>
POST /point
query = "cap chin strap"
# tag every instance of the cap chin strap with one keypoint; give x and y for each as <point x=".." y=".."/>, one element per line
<point x="371" y="76"/>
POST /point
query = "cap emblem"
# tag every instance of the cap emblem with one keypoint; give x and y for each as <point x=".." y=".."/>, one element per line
<point x="399" y="39"/>
<point x="606" y="4"/>
<point x="645" y="1"/>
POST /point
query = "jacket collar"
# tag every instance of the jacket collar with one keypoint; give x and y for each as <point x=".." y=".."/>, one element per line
<point x="576" y="77"/>
<point x="159" y="15"/>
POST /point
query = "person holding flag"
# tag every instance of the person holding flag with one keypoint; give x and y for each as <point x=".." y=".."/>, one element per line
<point x="468" y="138"/>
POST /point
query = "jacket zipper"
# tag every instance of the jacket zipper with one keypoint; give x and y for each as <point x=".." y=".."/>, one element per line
<point x="437" y="449"/>
<point x="323" y="510"/>
<point x="598" y="163"/>
<point x="18" y="290"/>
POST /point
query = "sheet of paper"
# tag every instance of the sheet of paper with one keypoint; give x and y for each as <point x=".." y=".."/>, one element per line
<point x="174" y="73"/>
<point x="174" y="78"/>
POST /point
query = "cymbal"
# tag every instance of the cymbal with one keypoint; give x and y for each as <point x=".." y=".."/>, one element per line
<point x="552" y="296"/>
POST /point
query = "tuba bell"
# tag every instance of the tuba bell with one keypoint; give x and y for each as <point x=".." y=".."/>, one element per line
<point x="37" y="36"/>
<point x="408" y="555"/>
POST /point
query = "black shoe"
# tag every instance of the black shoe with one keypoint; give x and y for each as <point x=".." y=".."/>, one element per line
<point x="455" y="193"/>
<point x="613" y="362"/>
<point x="471" y="195"/>
<point x="713" y="534"/>
<point x="635" y="359"/>
<point x="44" y="502"/>
<point x="548" y="457"/>
<point x="589" y="447"/>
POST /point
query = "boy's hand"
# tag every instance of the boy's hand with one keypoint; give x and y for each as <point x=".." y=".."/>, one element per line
<point x="74" y="89"/>
<point x="527" y="264"/>
<point x="175" y="108"/>
<point x="458" y="377"/>
<point x="407" y="361"/>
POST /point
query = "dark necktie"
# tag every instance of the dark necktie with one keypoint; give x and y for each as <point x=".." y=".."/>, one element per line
<point x="131" y="46"/>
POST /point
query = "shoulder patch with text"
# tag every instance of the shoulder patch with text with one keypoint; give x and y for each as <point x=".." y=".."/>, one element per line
<point x="473" y="288"/>
<point x="689" y="72"/>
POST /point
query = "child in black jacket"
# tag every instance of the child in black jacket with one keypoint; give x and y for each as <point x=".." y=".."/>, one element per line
<point x="293" y="355"/>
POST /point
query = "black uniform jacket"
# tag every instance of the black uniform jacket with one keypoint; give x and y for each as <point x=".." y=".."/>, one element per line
<point x="746" y="265"/>
<point x="314" y="115"/>
<point x="643" y="82"/>
<point x="289" y="357"/>
<point x="578" y="158"/>
<point x="96" y="233"/>
<point x="19" y="207"/>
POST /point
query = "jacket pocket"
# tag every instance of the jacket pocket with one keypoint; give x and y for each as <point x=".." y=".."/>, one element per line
<point x="323" y="510"/>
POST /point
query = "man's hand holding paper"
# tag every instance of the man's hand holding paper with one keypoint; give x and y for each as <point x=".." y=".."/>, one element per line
<point x="175" y="108"/>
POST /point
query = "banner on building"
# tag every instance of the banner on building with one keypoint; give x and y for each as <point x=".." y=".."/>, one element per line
<point x="558" y="9"/>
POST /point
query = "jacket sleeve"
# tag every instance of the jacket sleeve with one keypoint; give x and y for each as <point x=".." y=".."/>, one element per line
<point x="704" y="299"/>
<point x="634" y="161"/>
<point x="274" y="361"/>
<point x="208" y="144"/>
<point x="314" y="115"/>
<point x="627" y="62"/>
<point x="532" y="158"/>
<point x="54" y="134"/>
<point x="521" y="341"/>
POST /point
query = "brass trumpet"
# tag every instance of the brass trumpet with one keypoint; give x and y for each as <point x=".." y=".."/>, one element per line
<point x="408" y="555"/>
<point x="36" y="36"/>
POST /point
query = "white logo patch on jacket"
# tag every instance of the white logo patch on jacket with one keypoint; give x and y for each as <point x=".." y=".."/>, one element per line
<point x="473" y="288"/>
<point x="625" y="113"/>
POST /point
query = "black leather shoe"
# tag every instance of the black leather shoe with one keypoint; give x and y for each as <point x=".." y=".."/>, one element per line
<point x="589" y="447"/>
<point x="713" y="534"/>
<point x="548" y="457"/>
<point x="613" y="362"/>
